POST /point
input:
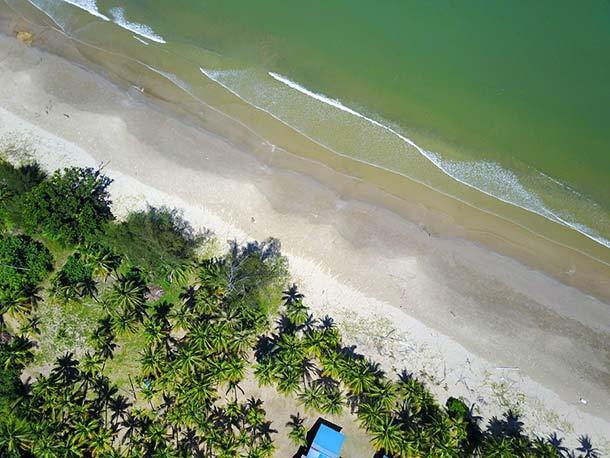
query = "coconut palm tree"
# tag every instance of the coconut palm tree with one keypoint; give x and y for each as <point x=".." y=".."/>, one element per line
<point x="178" y="273"/>
<point x="18" y="308"/>
<point x="369" y="412"/>
<point x="298" y="433"/>
<point x="189" y="359"/>
<point x="19" y="353"/>
<point x="264" y="373"/>
<point x="152" y="362"/>
<point x="333" y="364"/>
<point x="15" y="437"/>
<point x="297" y="313"/>
<point x="384" y="392"/>
<point x="386" y="435"/>
<point x="332" y="401"/>
<point x="101" y="443"/>
<point x="311" y="397"/>
<point x="31" y="326"/>
<point x="101" y="258"/>
<point x="129" y="293"/>
<point x="359" y="379"/>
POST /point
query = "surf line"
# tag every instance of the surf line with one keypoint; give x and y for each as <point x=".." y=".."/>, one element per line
<point x="434" y="158"/>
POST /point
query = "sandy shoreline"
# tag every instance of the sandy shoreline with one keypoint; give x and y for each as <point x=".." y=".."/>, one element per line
<point x="489" y="328"/>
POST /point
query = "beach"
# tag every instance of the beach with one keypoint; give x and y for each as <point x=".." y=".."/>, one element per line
<point x="465" y="319"/>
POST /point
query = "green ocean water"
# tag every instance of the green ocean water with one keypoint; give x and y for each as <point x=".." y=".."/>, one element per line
<point x="509" y="98"/>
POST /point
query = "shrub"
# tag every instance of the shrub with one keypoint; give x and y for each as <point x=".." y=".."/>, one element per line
<point x="154" y="239"/>
<point x="14" y="183"/>
<point x="74" y="280"/>
<point x="24" y="263"/>
<point x="70" y="207"/>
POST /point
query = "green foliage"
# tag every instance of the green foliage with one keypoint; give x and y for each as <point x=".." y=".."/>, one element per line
<point x="14" y="183"/>
<point x="74" y="280"/>
<point x="71" y="206"/>
<point x="181" y="352"/>
<point x="298" y="433"/>
<point x="457" y="409"/>
<point x="24" y="263"/>
<point x="155" y="239"/>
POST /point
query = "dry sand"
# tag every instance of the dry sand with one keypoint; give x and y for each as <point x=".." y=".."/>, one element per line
<point x="470" y="322"/>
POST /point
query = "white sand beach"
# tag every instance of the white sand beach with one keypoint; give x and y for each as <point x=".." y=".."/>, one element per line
<point x="466" y="320"/>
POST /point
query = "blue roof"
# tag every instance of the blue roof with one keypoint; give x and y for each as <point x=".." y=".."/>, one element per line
<point x="326" y="444"/>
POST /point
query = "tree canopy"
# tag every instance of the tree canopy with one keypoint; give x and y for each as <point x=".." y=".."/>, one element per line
<point x="154" y="239"/>
<point x="24" y="263"/>
<point x="185" y="331"/>
<point x="71" y="206"/>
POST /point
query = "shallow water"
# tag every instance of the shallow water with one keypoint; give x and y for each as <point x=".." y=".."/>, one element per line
<point x="503" y="99"/>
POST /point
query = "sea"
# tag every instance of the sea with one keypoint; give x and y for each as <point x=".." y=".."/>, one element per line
<point x="503" y="105"/>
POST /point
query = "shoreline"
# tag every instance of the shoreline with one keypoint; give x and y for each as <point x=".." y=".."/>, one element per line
<point x="331" y="240"/>
<point x="544" y="245"/>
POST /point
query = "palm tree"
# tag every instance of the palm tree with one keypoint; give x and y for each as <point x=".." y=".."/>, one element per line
<point x="231" y="369"/>
<point x="369" y="413"/>
<point x="288" y="380"/>
<point x="152" y="361"/>
<point x="15" y="437"/>
<point x="129" y="293"/>
<point x="155" y="333"/>
<point x="333" y="364"/>
<point x="311" y="397"/>
<point x="359" y="378"/>
<point x="298" y="433"/>
<point x="85" y="429"/>
<point x="19" y="353"/>
<point x="18" y="308"/>
<point x="265" y="373"/>
<point x="101" y="442"/>
<point x="178" y="273"/>
<point x="189" y="359"/>
<point x="102" y="259"/>
<point x="386" y="435"/>
<point x="31" y="326"/>
<point x="297" y="313"/>
<point x="384" y="392"/>
<point x="332" y="401"/>
<point x="124" y="322"/>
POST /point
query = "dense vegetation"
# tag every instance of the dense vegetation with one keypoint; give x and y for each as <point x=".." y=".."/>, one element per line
<point x="194" y="325"/>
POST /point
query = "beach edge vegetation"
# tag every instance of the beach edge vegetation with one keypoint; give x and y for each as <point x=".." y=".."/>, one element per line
<point x="168" y="333"/>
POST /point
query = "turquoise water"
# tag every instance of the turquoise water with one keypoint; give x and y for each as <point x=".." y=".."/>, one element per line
<point x="509" y="98"/>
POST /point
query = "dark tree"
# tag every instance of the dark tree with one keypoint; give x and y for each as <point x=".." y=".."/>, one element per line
<point x="71" y="206"/>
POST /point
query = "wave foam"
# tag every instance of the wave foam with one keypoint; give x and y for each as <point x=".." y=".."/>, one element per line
<point x="146" y="43"/>
<point x="487" y="177"/>
<point x="89" y="6"/>
<point x="118" y="14"/>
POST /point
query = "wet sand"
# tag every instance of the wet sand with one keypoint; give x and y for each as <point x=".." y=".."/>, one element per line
<point x="463" y="317"/>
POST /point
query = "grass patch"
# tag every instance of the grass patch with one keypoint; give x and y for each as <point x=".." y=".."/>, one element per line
<point x="126" y="360"/>
<point x="65" y="327"/>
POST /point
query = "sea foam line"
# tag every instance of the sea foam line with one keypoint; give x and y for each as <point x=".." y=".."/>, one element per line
<point x="436" y="160"/>
<point x="89" y="6"/>
<point x="118" y="14"/>
<point x="146" y="43"/>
